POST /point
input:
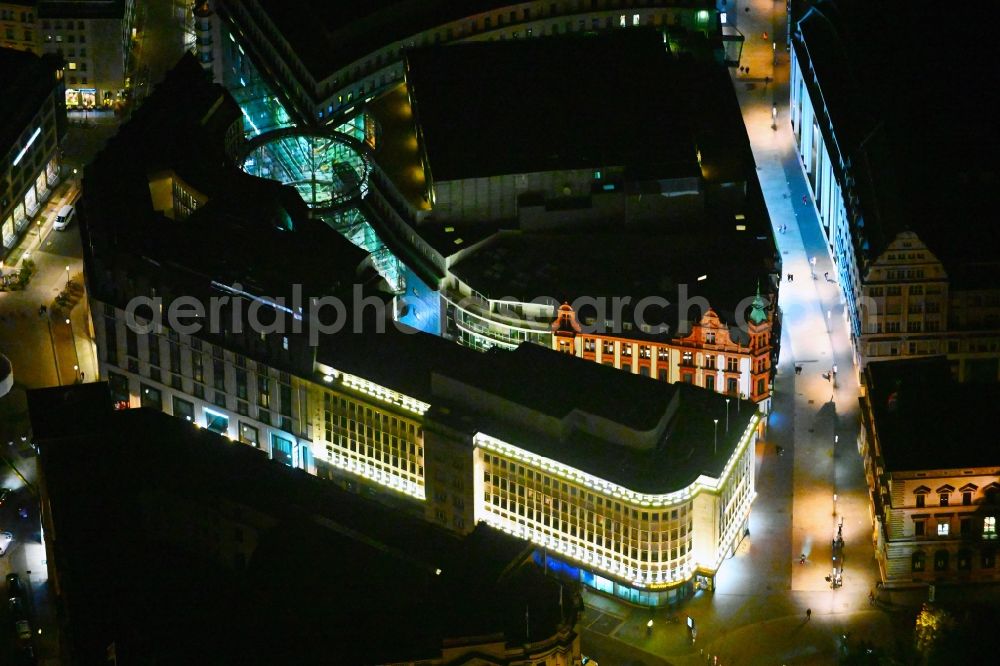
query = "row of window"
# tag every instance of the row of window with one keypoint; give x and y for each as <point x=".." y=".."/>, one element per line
<point x="513" y="471"/>
<point x="11" y="15"/>
<point x="987" y="560"/>
<point x="372" y="437"/>
<point x="224" y="378"/>
<point x="968" y="496"/>
<point x="58" y="25"/>
<point x="943" y="527"/>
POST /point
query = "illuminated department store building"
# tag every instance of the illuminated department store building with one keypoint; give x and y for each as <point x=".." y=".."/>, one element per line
<point x="640" y="490"/>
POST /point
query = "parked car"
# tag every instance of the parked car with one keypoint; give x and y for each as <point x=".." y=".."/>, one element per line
<point x="14" y="587"/>
<point x="65" y="216"/>
<point x="5" y="540"/>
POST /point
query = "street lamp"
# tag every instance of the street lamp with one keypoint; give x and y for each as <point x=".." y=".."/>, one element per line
<point x="774" y="117"/>
<point x="727" y="414"/>
<point x="715" y="438"/>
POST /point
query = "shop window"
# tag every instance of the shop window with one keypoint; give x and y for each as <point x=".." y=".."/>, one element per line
<point x="216" y="421"/>
<point x="281" y="449"/>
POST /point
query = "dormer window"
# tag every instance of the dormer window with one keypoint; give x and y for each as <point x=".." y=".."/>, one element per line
<point x="710" y="337"/>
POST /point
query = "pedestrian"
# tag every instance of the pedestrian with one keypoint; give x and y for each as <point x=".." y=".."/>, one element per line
<point x="826" y="275"/>
<point x="805" y="199"/>
<point x="791" y="278"/>
<point x="809" y="613"/>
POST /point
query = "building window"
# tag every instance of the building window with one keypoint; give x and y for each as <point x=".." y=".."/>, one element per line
<point x="920" y="501"/>
<point x="943" y="527"/>
<point x="150" y="397"/>
<point x="966" y="499"/>
<point x="248" y="435"/>
<point x="989" y="559"/>
<point x="917" y="561"/>
<point x="943" y="499"/>
<point x="941" y="560"/>
<point x="216" y="421"/>
<point x="731" y="386"/>
<point x="965" y="526"/>
<point x="710" y="337"/>
<point x="918" y="527"/>
<point x="183" y="409"/>
<point x="964" y="560"/>
<point x="219" y="374"/>
<point x="989" y="527"/>
<point x="687" y="358"/>
<point x="710" y="382"/>
<point x="119" y="388"/>
<point x="263" y="391"/>
<point x="710" y="361"/>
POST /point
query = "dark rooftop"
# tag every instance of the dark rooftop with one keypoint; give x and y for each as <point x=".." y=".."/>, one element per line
<point x="917" y="407"/>
<point x="329" y="35"/>
<point x="567" y="266"/>
<point x="302" y="582"/>
<point x="920" y="132"/>
<point x="566" y="102"/>
<point x="25" y="81"/>
<point x="401" y="358"/>
<point x="557" y="385"/>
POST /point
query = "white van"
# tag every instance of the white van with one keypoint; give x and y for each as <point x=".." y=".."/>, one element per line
<point x="65" y="216"/>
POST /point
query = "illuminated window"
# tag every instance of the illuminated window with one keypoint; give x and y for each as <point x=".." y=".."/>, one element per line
<point x="943" y="528"/>
<point x="635" y="19"/>
<point x="989" y="527"/>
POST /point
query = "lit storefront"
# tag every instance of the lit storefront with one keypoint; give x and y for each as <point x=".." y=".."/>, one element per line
<point x="81" y="98"/>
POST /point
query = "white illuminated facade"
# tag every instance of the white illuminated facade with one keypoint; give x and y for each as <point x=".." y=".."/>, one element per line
<point x="645" y="548"/>
<point x="370" y="431"/>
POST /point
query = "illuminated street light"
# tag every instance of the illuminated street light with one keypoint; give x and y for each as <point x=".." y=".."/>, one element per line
<point x="727" y="414"/>
<point x="715" y="439"/>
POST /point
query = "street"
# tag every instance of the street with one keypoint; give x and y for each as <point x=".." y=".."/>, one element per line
<point x="758" y="611"/>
